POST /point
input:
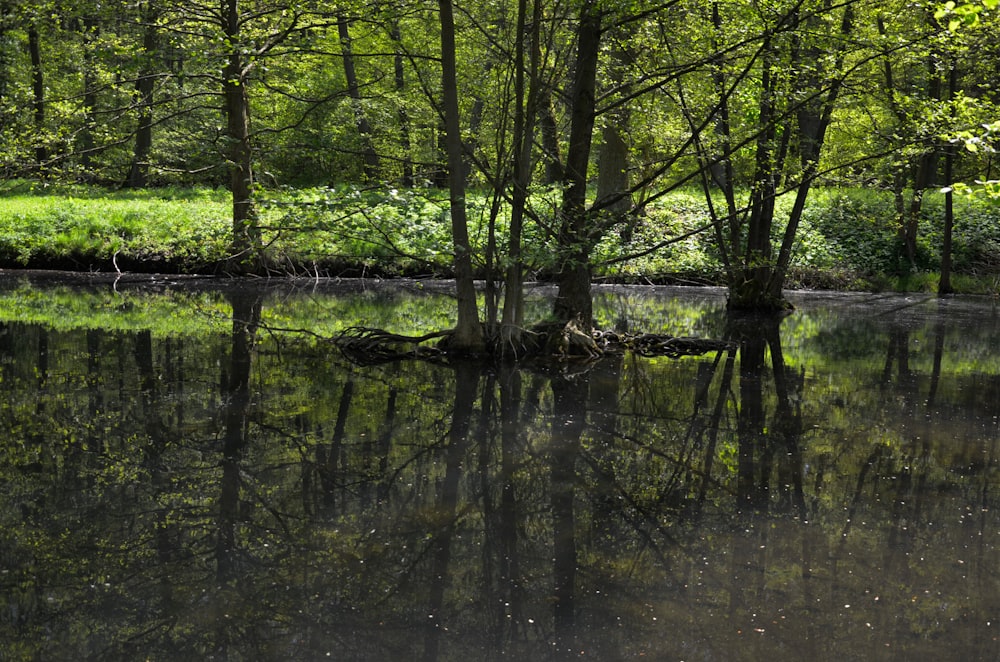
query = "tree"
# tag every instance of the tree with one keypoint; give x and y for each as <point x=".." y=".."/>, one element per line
<point x="138" y="175"/>
<point x="240" y="36"/>
<point x="796" y="72"/>
<point x="575" y="236"/>
<point x="246" y="233"/>
<point x="370" y="157"/>
<point x="526" y="93"/>
<point x="38" y="95"/>
<point x="468" y="334"/>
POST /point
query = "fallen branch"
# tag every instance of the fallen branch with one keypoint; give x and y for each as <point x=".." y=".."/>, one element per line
<point x="652" y="344"/>
<point x="367" y="346"/>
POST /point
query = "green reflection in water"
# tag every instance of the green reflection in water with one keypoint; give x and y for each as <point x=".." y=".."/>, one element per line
<point x="183" y="479"/>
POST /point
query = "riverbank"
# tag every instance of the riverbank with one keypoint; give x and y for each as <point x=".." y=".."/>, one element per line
<point x="847" y="238"/>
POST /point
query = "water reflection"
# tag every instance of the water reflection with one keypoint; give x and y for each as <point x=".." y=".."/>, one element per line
<point x="825" y="489"/>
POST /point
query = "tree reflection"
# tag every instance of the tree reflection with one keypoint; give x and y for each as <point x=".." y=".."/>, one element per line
<point x="177" y="497"/>
<point x="769" y="450"/>
<point x="769" y="477"/>
<point x="569" y="418"/>
<point x="446" y="510"/>
<point x="509" y="596"/>
<point x="246" y="307"/>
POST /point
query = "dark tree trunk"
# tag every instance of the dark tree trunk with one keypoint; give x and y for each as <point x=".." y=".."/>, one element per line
<point x="944" y="286"/>
<point x="554" y="171"/>
<point x="138" y="175"/>
<point x="614" y="201"/>
<point x="5" y="54"/>
<point x="525" y="99"/>
<point x="612" y="173"/>
<point x="38" y="97"/>
<point x="757" y="281"/>
<point x="370" y="156"/>
<point x="908" y="227"/>
<point x="574" y="240"/>
<point x="246" y="233"/>
<point x="925" y="168"/>
<point x="468" y="335"/>
<point x="404" y="117"/>
<point x="813" y="119"/>
<point x="750" y="289"/>
<point x="87" y="143"/>
<point x="439" y="170"/>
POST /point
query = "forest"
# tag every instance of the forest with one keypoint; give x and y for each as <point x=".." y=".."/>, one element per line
<point x="567" y="122"/>
<point x="239" y="467"/>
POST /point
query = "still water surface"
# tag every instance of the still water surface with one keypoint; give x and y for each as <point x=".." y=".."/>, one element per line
<point x="184" y="475"/>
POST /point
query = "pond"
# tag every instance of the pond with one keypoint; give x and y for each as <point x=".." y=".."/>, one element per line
<point x="190" y="470"/>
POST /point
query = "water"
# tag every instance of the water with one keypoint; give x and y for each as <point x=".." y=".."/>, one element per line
<point x="178" y="485"/>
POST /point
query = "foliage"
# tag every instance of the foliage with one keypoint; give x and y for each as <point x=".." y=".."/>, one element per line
<point x="682" y="92"/>
<point x="847" y="238"/>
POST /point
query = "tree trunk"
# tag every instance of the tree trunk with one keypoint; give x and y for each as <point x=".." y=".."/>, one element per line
<point x="468" y="335"/>
<point x="525" y="96"/>
<point x="909" y="225"/>
<point x="370" y="156"/>
<point x="554" y="171"/>
<point x="750" y="283"/>
<point x="138" y="175"/>
<point x="573" y="300"/>
<point x="87" y="143"/>
<point x="439" y="171"/>
<point x="759" y="280"/>
<point x="246" y="238"/>
<point x="404" y="117"/>
<point x="613" y="199"/>
<point x="926" y="164"/>
<point x="5" y="54"/>
<point x="38" y="97"/>
<point x="813" y="119"/>
<point x="944" y="285"/>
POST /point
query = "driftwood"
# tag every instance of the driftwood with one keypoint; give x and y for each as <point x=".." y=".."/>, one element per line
<point x="656" y="344"/>
<point x="367" y="346"/>
<point x="563" y="342"/>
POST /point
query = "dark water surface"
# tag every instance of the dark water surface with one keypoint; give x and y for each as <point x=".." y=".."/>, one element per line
<point x="177" y="485"/>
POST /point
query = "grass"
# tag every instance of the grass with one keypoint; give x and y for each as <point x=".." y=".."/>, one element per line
<point x="185" y="230"/>
<point x="846" y="239"/>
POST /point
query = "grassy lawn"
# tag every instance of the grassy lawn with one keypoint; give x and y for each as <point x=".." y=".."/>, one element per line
<point x="186" y="230"/>
<point x="847" y="238"/>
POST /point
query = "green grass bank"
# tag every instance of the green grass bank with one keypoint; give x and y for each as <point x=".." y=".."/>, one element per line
<point x="847" y="238"/>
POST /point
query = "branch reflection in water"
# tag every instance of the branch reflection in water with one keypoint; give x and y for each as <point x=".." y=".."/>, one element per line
<point x="183" y="480"/>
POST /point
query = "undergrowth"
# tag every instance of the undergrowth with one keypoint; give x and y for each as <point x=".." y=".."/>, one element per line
<point x="847" y="238"/>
